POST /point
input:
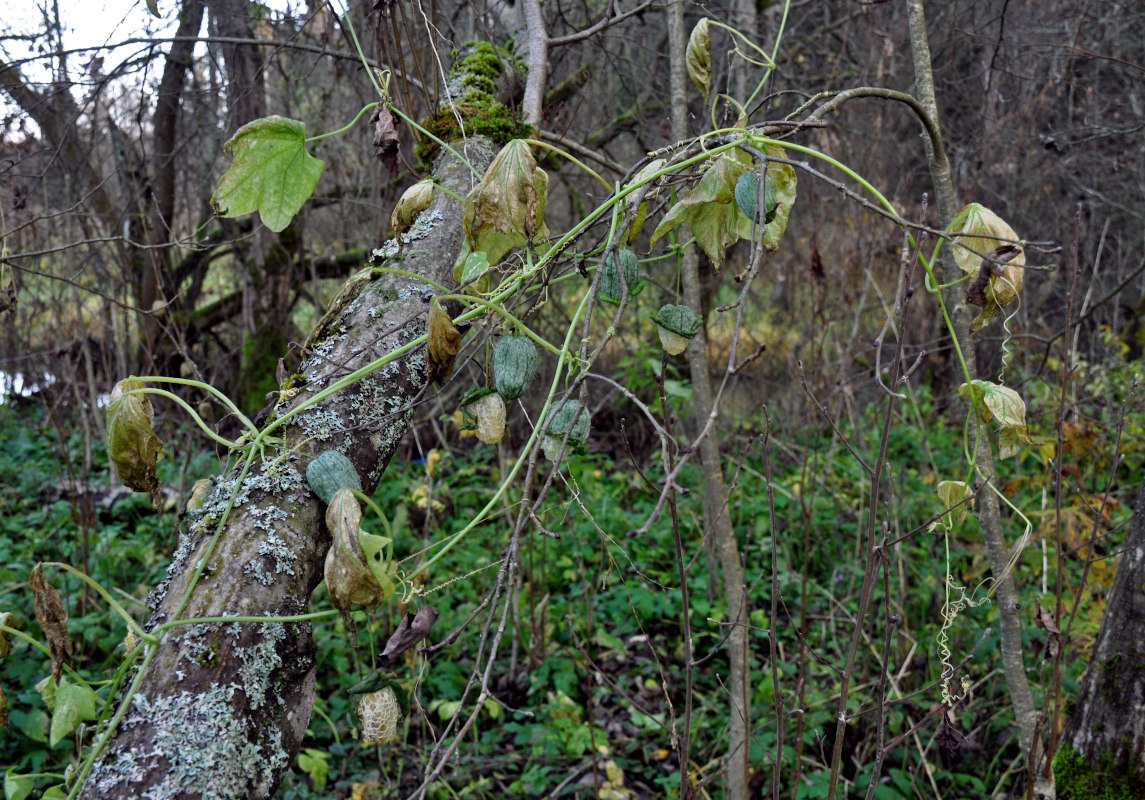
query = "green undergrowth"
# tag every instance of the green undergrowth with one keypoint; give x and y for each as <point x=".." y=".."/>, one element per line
<point x="591" y="673"/>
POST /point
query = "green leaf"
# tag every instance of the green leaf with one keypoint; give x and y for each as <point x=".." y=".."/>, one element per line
<point x="57" y="792"/>
<point x="507" y="209"/>
<point x="313" y="763"/>
<point x="379" y="559"/>
<point x="75" y="703"/>
<point x="698" y="57"/>
<point x="33" y="724"/>
<point x="271" y="173"/>
<point x="17" y="787"/>
<point x="995" y="402"/>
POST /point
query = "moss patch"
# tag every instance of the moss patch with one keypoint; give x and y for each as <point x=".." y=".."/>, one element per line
<point x="1080" y="778"/>
<point x="473" y="83"/>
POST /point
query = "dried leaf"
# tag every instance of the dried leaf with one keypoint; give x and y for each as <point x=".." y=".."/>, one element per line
<point x="1045" y="620"/>
<point x="443" y="345"/>
<point x="348" y="579"/>
<point x="507" y="209"/>
<point x="386" y="140"/>
<point x="8" y="620"/>
<point x="978" y="230"/>
<point x="53" y="618"/>
<point x="698" y="57"/>
<point x="131" y="441"/>
<point x="413" y="628"/>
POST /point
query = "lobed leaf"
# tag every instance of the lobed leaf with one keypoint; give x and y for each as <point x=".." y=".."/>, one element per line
<point x="271" y="173"/>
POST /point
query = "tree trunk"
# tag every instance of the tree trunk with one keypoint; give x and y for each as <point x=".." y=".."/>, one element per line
<point x="1102" y="750"/>
<point x="219" y="709"/>
<point x="716" y="519"/>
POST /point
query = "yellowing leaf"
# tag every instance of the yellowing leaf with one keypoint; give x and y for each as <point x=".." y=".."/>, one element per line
<point x="507" y="209"/>
<point x="413" y="201"/>
<point x="271" y="173"/>
<point x="981" y="232"/>
<point x="951" y="493"/>
<point x="698" y="57"/>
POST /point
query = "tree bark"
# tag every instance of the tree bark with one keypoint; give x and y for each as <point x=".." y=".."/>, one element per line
<point x="219" y="709"/>
<point x="716" y="518"/>
<point x="1102" y="750"/>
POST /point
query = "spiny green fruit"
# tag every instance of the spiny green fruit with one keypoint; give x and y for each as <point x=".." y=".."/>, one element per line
<point x="747" y="195"/>
<point x="610" y="290"/>
<point x="514" y="365"/>
<point x="677" y="325"/>
<point x="571" y="418"/>
<point x="329" y="472"/>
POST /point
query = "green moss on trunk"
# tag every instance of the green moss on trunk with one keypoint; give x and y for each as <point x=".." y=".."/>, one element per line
<point x="1077" y="777"/>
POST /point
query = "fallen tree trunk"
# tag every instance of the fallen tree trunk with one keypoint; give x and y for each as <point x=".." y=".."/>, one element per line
<point x="221" y="707"/>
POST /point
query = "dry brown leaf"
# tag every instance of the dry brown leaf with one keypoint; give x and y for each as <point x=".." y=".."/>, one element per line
<point x="1045" y="620"/>
<point x="53" y="618"/>
<point x="386" y="140"/>
<point x="443" y="345"/>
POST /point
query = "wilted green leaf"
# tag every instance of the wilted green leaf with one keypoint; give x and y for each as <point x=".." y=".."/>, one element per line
<point x="379" y="557"/>
<point x="507" y="209"/>
<point x="131" y="441"/>
<point x="699" y="57"/>
<point x="75" y="703"/>
<point x="1001" y="403"/>
<point x="711" y="209"/>
<point x="995" y="402"/>
<point x="982" y="231"/>
<point x="271" y="173"/>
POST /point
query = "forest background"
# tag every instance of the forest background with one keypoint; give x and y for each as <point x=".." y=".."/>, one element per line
<point x="589" y="646"/>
